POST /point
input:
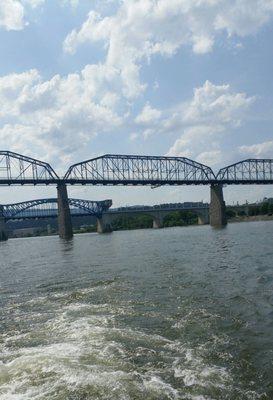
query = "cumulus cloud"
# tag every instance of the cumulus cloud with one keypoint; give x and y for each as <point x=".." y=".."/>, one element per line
<point x="55" y="117"/>
<point x="259" y="150"/>
<point x="140" y="29"/>
<point x="148" y="115"/>
<point x="33" y="3"/>
<point x="11" y="15"/>
<point x="201" y="122"/>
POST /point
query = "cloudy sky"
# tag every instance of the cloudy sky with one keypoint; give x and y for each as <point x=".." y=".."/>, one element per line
<point x="81" y="78"/>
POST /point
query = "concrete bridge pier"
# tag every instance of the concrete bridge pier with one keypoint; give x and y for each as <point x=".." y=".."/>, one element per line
<point x="104" y="224"/>
<point x="157" y="221"/>
<point x="64" y="216"/>
<point x="3" y="229"/>
<point x="203" y="218"/>
<point x="217" y="207"/>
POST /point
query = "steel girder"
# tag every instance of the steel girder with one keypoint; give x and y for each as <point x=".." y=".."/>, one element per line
<point x="139" y="170"/>
<point x="18" y="169"/>
<point x="255" y="171"/>
<point x="46" y="208"/>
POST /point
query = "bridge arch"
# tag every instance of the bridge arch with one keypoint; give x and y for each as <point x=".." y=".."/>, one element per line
<point x="39" y="208"/>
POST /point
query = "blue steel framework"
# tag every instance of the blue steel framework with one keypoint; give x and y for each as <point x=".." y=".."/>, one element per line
<point x="259" y="171"/>
<point x="46" y="208"/>
<point x="16" y="169"/>
<point x="139" y="170"/>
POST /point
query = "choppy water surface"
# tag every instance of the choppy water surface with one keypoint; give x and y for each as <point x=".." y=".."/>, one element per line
<point x="179" y="313"/>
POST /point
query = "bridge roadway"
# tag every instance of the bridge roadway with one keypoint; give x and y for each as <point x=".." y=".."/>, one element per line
<point x="46" y="208"/>
<point x="112" y="169"/>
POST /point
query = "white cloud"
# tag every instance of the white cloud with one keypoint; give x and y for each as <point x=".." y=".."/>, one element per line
<point x="55" y="118"/>
<point x="33" y="3"/>
<point x="216" y="103"/>
<point x="11" y="15"/>
<point x="148" y="115"/>
<point x="259" y="150"/>
<point x="202" y="44"/>
<point x="140" y="29"/>
<point x="202" y="122"/>
<point x="212" y="157"/>
<point x="134" y="136"/>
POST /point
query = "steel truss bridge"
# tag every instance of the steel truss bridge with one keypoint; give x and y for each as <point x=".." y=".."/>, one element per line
<point x="48" y="208"/>
<point x="16" y="169"/>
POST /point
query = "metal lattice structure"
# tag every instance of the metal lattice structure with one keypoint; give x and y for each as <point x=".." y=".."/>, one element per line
<point x="47" y="208"/>
<point x="139" y="170"/>
<point x="113" y="169"/>
<point x="18" y="169"/>
<point x="250" y="171"/>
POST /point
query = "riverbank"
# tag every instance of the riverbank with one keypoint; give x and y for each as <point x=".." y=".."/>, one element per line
<point x="251" y="218"/>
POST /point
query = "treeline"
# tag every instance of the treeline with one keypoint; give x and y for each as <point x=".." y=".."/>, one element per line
<point x="265" y="208"/>
<point x="176" y="218"/>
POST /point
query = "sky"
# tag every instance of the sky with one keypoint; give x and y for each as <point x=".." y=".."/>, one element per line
<point x="191" y="78"/>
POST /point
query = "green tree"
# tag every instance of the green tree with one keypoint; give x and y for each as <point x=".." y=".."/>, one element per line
<point x="264" y="208"/>
<point x="230" y="213"/>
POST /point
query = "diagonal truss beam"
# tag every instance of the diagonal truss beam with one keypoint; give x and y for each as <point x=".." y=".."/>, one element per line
<point x="18" y="169"/>
<point x="117" y="169"/>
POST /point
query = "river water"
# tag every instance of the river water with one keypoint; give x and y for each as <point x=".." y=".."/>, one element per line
<point x="177" y="313"/>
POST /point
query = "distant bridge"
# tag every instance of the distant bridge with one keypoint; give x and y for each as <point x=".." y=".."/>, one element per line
<point x="157" y="212"/>
<point x="114" y="169"/>
<point x="47" y="208"/>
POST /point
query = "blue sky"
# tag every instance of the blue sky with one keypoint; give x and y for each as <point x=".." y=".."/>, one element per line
<point x="181" y="77"/>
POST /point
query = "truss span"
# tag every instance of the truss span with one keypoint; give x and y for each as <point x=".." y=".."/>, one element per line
<point x="18" y="169"/>
<point x="48" y="208"/>
<point x="113" y="169"/>
<point x="250" y="171"/>
<point x="139" y="170"/>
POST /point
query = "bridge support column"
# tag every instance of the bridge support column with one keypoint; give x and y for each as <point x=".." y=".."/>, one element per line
<point x="3" y="229"/>
<point x="64" y="216"/>
<point x="104" y="224"/>
<point x="217" y="206"/>
<point x="157" y="222"/>
<point x="203" y="218"/>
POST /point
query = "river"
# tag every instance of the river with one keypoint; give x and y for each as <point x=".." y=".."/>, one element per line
<point x="177" y="313"/>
